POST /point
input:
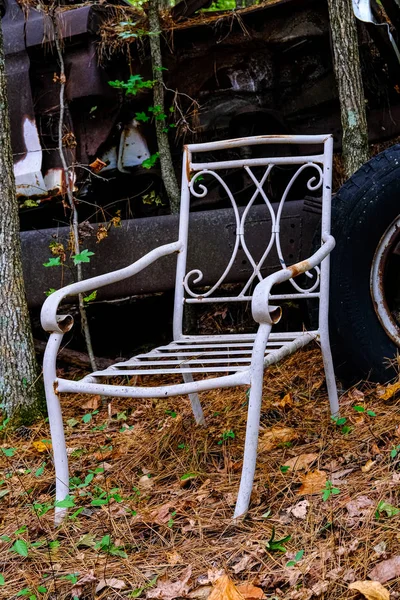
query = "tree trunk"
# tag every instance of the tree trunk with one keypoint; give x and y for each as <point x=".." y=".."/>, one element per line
<point x="167" y="168"/>
<point x="350" y="86"/>
<point x="18" y="369"/>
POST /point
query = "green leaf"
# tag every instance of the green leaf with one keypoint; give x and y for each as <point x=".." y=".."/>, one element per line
<point x="341" y="421"/>
<point x="291" y="563"/>
<point x="371" y="413"/>
<point x="2" y="580"/>
<point x="142" y="117"/>
<point x="284" y="468"/>
<point x="151" y="161"/>
<point x="299" y="555"/>
<point x="188" y="476"/>
<point x="359" y="408"/>
<point x="326" y="494"/>
<point x="50" y="291"/>
<point x="8" y="451"/>
<point x="86" y="418"/>
<point x="68" y="502"/>
<point x="20" y="547"/>
<point x="99" y="501"/>
<point x="54" y="261"/>
<point x="346" y="429"/>
<point x="41" y="589"/>
<point x="72" y="422"/>
<point x="91" y="296"/>
<point x="387" y="508"/>
<point x="393" y="453"/>
<point x="24" y="592"/>
<point x="82" y="257"/>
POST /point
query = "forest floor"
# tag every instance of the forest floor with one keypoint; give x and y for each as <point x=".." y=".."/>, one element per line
<point x="153" y="495"/>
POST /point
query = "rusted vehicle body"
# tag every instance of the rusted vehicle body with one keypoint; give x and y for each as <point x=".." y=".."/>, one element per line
<point x="263" y="70"/>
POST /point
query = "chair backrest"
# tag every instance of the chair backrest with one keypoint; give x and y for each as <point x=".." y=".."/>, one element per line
<point x="243" y="172"/>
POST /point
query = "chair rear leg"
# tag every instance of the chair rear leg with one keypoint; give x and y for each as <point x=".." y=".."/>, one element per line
<point x="56" y="425"/>
<point x="195" y="402"/>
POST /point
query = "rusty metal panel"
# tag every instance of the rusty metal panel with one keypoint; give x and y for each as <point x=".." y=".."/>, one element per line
<point x="136" y="237"/>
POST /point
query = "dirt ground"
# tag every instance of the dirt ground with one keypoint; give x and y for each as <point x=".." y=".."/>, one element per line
<point x="150" y="512"/>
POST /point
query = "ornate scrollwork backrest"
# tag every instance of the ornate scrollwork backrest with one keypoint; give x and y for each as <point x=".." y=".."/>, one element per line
<point x="196" y="182"/>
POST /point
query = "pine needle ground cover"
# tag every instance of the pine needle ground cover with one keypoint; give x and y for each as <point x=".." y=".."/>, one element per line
<point x="152" y="495"/>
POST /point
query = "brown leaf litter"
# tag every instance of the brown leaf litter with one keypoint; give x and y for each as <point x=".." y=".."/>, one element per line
<point x="154" y="497"/>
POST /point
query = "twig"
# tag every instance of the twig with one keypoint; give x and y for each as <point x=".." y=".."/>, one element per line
<point x="69" y="186"/>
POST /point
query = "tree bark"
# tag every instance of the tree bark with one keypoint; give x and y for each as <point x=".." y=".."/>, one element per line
<point x="350" y="86"/>
<point x="167" y="168"/>
<point x="19" y="391"/>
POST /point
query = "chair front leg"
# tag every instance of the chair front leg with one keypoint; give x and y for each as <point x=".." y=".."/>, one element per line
<point x="56" y="424"/>
<point x="253" y="421"/>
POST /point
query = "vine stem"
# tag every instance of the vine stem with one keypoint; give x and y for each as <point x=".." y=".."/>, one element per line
<point x="69" y="183"/>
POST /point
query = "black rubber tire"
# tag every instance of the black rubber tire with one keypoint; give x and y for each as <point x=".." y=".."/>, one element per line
<point x="363" y="209"/>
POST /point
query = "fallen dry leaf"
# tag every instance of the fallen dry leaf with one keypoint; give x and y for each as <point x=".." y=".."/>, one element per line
<point x="337" y="476"/>
<point x="368" y="466"/>
<point x="242" y="564"/>
<point x="168" y="590"/>
<point x="287" y="400"/>
<point x="115" y="584"/>
<point x="41" y="446"/>
<point x="250" y="591"/>
<point x="77" y="589"/>
<point x="301" y="462"/>
<point x="275" y="436"/>
<point x="299" y="510"/>
<point x="312" y="483"/>
<point x="386" y="570"/>
<point x="145" y="482"/>
<point x="390" y="391"/>
<point x="225" y="589"/>
<point x="320" y="588"/>
<point x="359" y="508"/>
<point x="92" y="404"/>
<point x="174" y="558"/>
<point x="201" y="593"/>
<point x="97" y="165"/>
<point x="372" y="590"/>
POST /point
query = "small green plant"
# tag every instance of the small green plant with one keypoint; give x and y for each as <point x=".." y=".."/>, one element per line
<point x="107" y="546"/>
<point x="54" y="261"/>
<point x="151" y="161"/>
<point x="284" y="468"/>
<point x="394" y="451"/>
<point x="171" y="413"/>
<point x="82" y="257"/>
<point x="340" y="422"/>
<point x="296" y="559"/>
<point x="274" y="545"/>
<point x="135" y="84"/>
<point x="329" y="491"/>
<point x="388" y="509"/>
<point x="362" y="409"/>
<point x="171" y="519"/>
<point x="226" y="435"/>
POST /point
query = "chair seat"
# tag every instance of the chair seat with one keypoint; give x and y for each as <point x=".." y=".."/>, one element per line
<point x="203" y="354"/>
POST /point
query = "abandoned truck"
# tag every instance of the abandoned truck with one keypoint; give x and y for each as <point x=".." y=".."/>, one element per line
<point x="261" y="70"/>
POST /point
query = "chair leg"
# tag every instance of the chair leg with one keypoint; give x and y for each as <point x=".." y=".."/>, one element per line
<point x="56" y="425"/>
<point x="329" y="374"/>
<point x="195" y="402"/>
<point x="253" y="423"/>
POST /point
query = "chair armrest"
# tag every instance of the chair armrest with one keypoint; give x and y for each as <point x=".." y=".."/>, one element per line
<point x="54" y="323"/>
<point x="262" y="312"/>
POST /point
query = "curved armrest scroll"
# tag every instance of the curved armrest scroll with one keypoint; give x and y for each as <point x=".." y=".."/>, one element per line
<point x="262" y="312"/>
<point x="54" y="323"/>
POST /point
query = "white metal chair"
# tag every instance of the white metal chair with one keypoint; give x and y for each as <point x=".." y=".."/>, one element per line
<point x="232" y="360"/>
